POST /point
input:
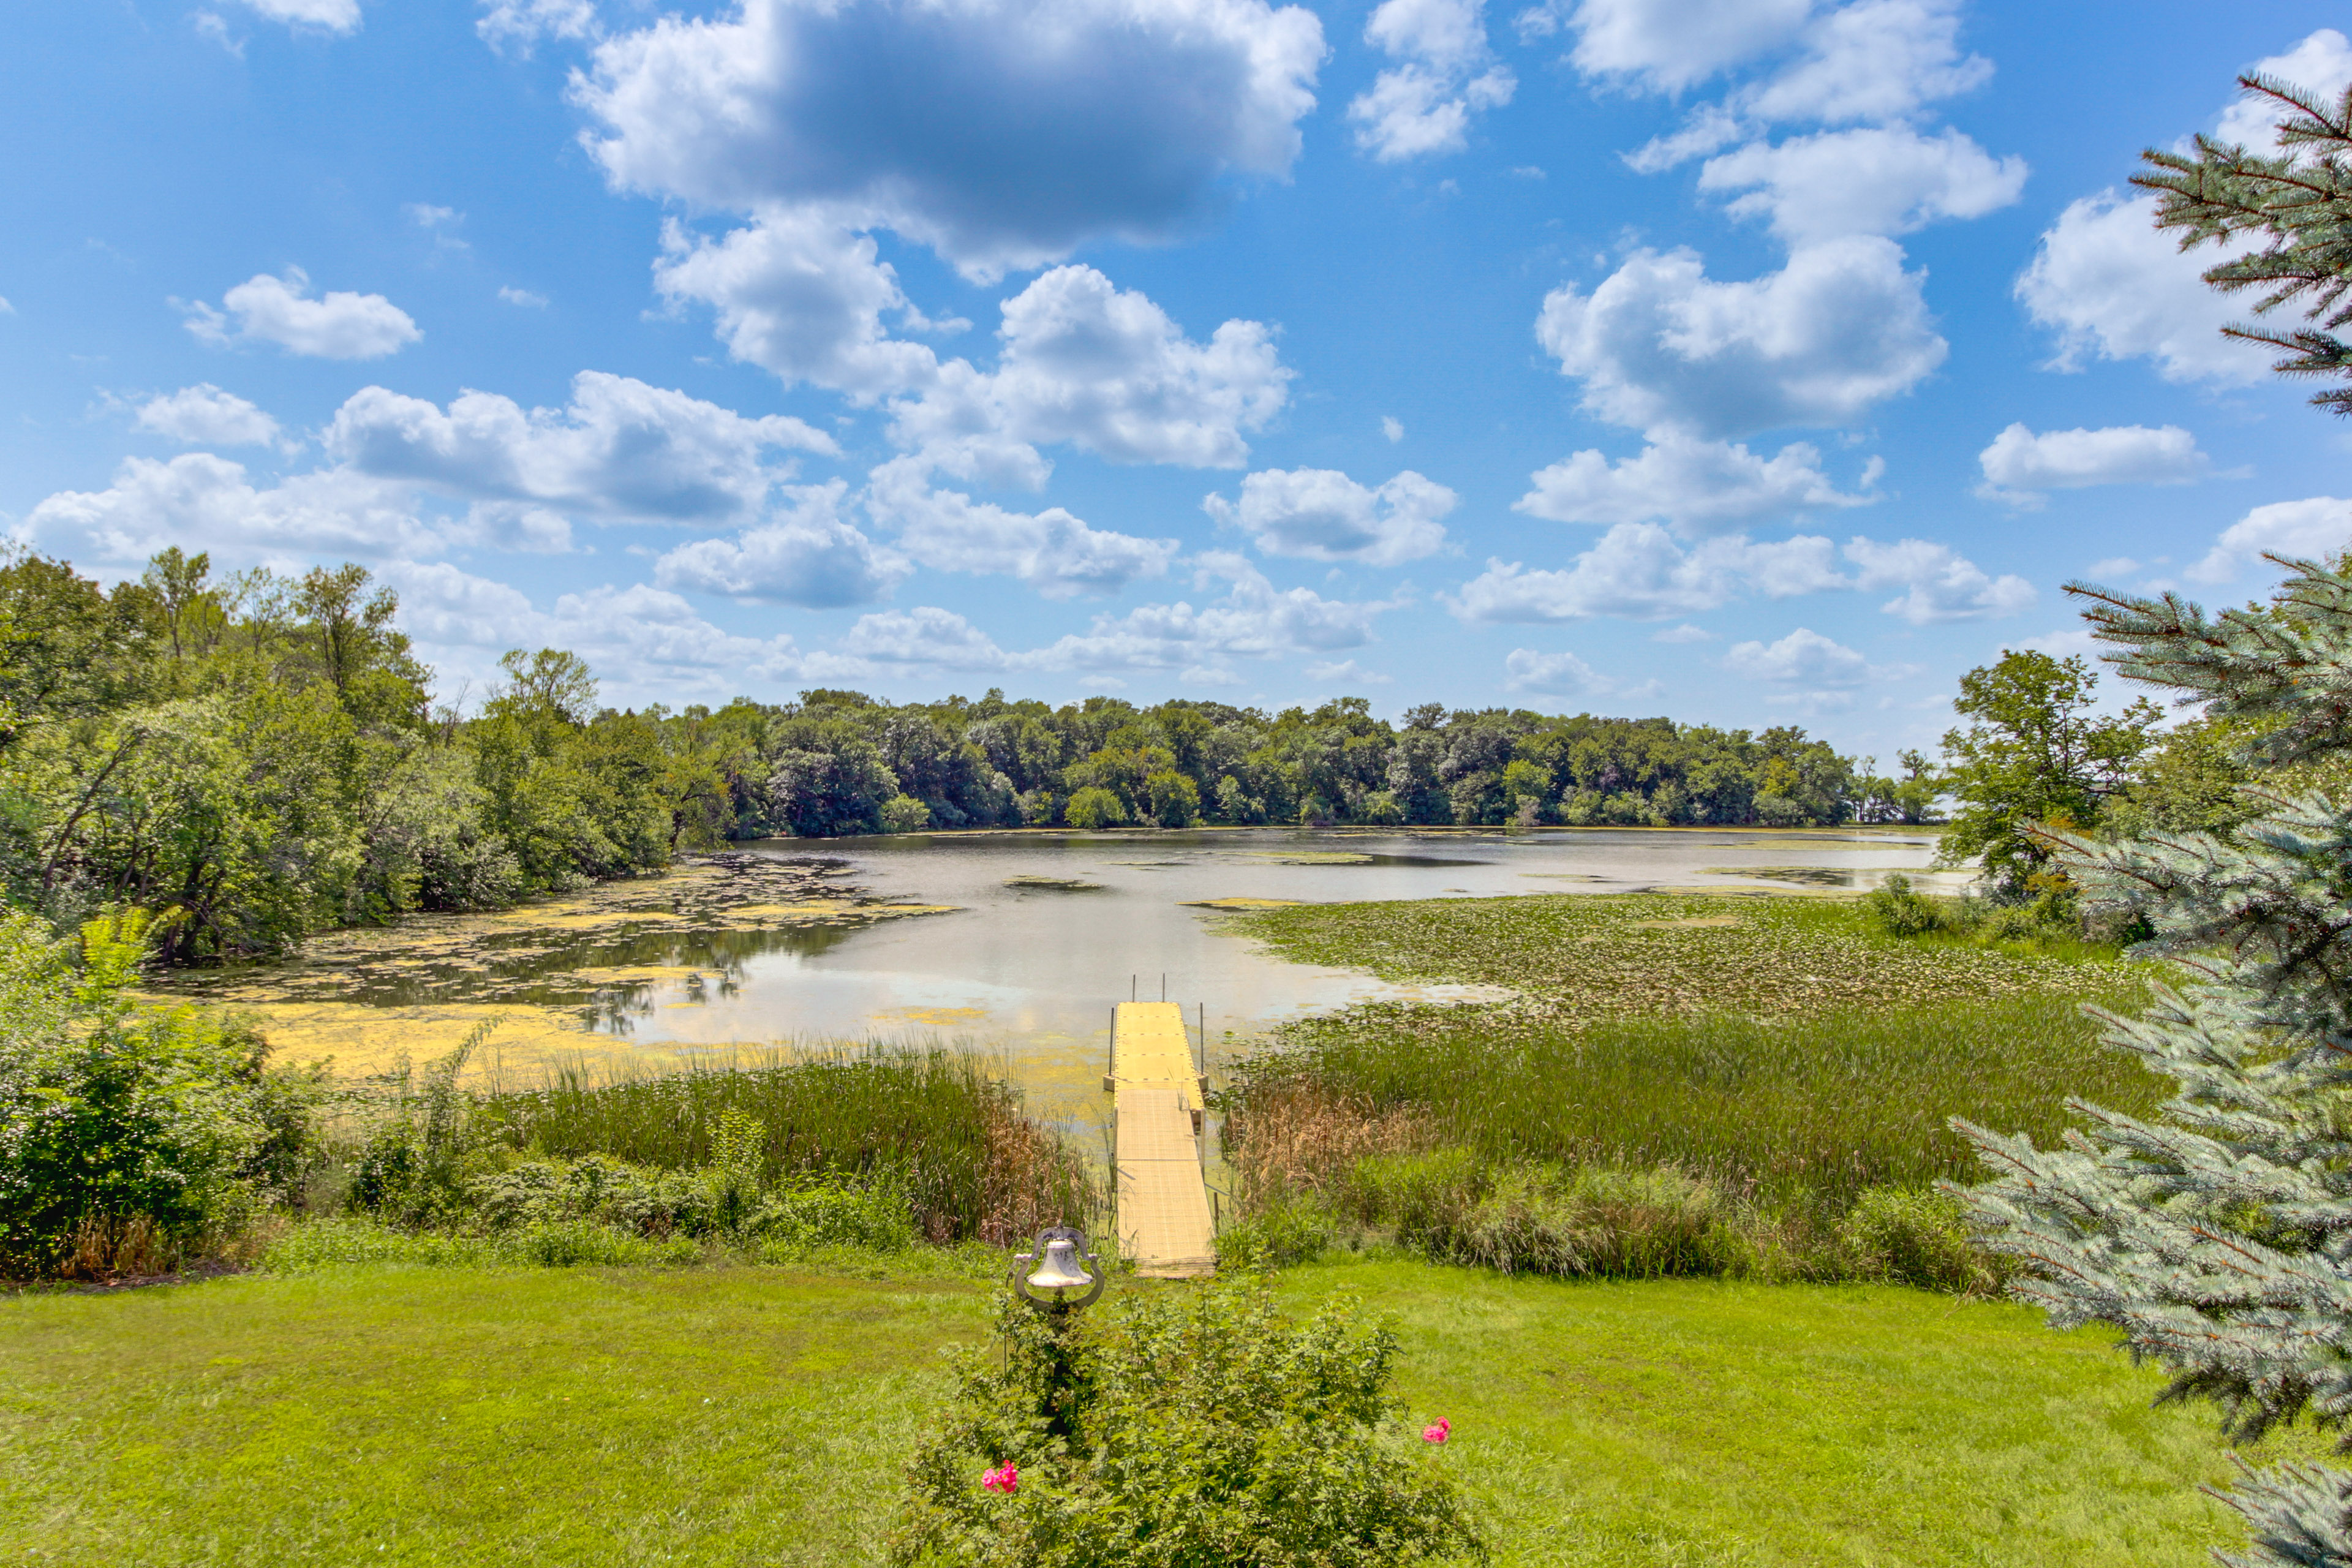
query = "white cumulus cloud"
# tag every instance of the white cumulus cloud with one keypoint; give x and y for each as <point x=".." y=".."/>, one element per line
<point x="2112" y="287"/>
<point x="1323" y="515"/>
<point x="806" y="556"/>
<point x="1661" y="346"/>
<point x="1697" y="487"/>
<point x="1446" y="73"/>
<point x="338" y="326"/>
<point x="2317" y="529"/>
<point x="620" y="449"/>
<point x="2020" y="462"/>
<point x="1669" y="45"/>
<point x="2322" y="63"/>
<point x="204" y="416"/>
<point x="926" y="635"/>
<point x="1938" y="583"/>
<point x="1881" y="180"/>
<point x="1873" y="60"/>
<point x="1638" y="572"/>
<point x="200" y="502"/>
<point x="1803" y="657"/>
<point x="1252" y="618"/>
<point x="1055" y="552"/>
<point x="1108" y="370"/>
<point x="1001" y="136"/>
<point x="801" y="296"/>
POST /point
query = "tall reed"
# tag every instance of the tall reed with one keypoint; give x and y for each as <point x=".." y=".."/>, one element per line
<point x="1795" y="1111"/>
<point x="929" y="1121"/>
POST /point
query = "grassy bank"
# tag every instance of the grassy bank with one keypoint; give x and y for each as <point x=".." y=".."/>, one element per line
<point x="1781" y="1062"/>
<point x="595" y="1417"/>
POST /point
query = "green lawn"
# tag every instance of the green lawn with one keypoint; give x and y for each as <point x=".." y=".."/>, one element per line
<point x="458" y="1416"/>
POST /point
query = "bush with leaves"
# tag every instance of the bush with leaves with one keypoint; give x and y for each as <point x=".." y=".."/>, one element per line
<point x="130" y="1136"/>
<point x="1185" y="1428"/>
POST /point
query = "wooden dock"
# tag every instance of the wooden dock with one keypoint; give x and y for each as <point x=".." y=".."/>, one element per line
<point x="1165" y="1223"/>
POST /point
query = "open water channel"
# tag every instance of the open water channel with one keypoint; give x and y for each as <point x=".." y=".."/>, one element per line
<point x="1025" y="941"/>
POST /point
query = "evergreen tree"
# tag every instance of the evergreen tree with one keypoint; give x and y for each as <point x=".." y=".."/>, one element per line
<point x="2217" y="1235"/>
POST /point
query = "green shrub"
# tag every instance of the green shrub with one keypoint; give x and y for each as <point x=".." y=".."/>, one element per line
<point x="905" y="814"/>
<point x="130" y="1137"/>
<point x="1182" y="1428"/>
<point x="831" y="1214"/>
<point x="1899" y="910"/>
<point x="1909" y="1237"/>
<point x="1292" y="1230"/>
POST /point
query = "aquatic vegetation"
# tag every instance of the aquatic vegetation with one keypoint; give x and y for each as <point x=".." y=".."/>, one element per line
<point x="1780" y="1064"/>
<point x="1054" y="884"/>
<point x="1577" y="956"/>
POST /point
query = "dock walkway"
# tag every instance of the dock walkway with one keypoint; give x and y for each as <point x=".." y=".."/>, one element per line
<point x="1163" y="1205"/>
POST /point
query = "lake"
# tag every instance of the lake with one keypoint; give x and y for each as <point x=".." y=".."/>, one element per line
<point x="1040" y="934"/>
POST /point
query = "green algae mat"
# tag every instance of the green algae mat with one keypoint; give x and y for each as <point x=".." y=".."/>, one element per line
<point x="712" y="1416"/>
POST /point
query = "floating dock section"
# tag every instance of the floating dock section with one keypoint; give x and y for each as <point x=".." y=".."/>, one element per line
<point x="1165" y="1223"/>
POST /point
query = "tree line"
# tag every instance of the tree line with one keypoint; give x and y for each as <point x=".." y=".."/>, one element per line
<point x="259" y="756"/>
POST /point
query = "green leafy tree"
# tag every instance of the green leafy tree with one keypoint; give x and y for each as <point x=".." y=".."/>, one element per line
<point x="1095" y="807"/>
<point x="2035" y="754"/>
<point x="2213" y="1236"/>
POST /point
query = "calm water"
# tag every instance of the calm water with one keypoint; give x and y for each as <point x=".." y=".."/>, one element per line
<point x="1036" y="966"/>
<point x="1028" y="971"/>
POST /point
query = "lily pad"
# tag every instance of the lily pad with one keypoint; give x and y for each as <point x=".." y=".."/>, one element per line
<point x="1242" y="903"/>
<point x="1054" y="884"/>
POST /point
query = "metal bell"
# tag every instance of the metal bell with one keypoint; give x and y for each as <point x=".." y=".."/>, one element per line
<point x="1061" y="1270"/>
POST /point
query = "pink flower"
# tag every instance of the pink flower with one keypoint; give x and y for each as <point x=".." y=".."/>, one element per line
<point x="1439" y="1433"/>
<point x="1004" y="1479"/>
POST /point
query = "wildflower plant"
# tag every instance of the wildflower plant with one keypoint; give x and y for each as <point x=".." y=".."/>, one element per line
<point x="1187" y="1428"/>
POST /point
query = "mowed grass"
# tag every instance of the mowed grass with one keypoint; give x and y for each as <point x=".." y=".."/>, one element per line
<point x="391" y="1416"/>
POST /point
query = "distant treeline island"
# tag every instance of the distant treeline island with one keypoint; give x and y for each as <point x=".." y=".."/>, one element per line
<point x="261" y="755"/>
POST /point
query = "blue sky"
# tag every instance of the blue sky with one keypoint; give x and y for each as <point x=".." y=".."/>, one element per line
<point x="1746" y="360"/>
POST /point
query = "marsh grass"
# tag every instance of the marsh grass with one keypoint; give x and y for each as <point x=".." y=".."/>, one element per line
<point x="933" y="1123"/>
<point x="1797" y="1112"/>
<point x="1682" y="1085"/>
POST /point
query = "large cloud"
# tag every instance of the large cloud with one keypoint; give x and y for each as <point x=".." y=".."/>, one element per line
<point x="2321" y="63"/>
<point x="1323" y="515"/>
<point x="803" y="297"/>
<point x="340" y="325"/>
<point x="622" y="449"/>
<point x="1873" y="180"/>
<point x="1670" y="45"/>
<point x="1106" y="370"/>
<point x="2020" y="462"/>
<point x="806" y="555"/>
<point x="1803" y="657"/>
<point x="1445" y="73"/>
<point x="644" y="643"/>
<point x="1697" y="487"/>
<point x="1636" y="571"/>
<point x="204" y="416"/>
<point x="1661" y="346"/>
<point x="2112" y="287"/>
<point x="1001" y="134"/>
<point x="2317" y="528"/>
<point x="1055" y="552"/>
<point x="1253" y="619"/>
<point x="200" y="502"/>
<point x="1938" y="583"/>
